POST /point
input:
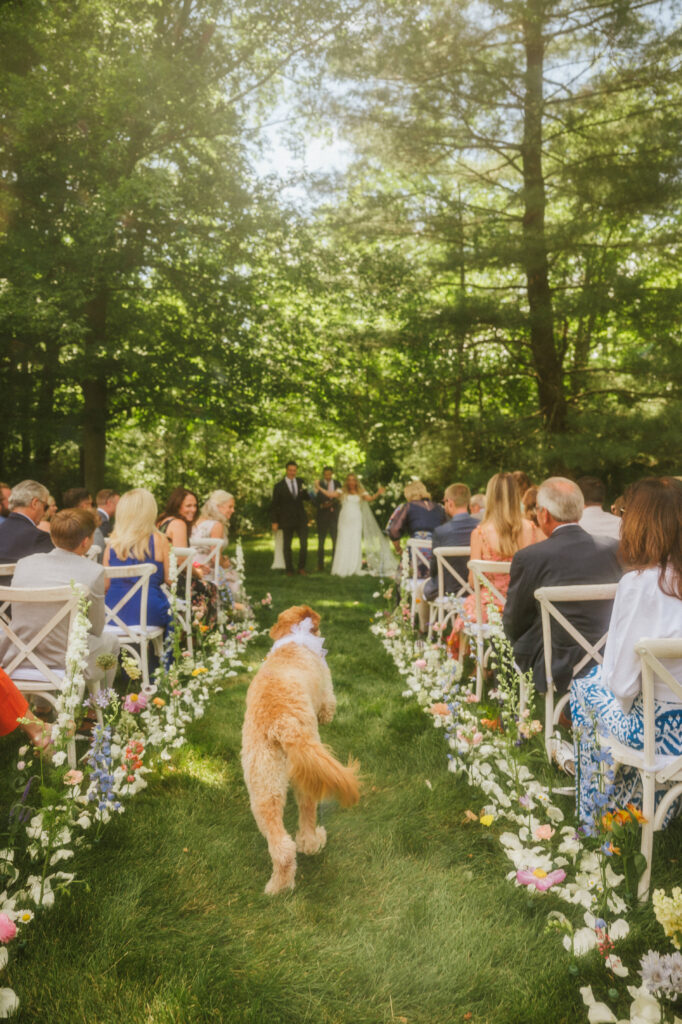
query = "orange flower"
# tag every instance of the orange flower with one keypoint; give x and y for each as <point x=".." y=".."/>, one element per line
<point x="159" y="702"/>
<point x="439" y="709"/>
<point x="637" y="814"/>
<point x="607" y="821"/>
<point x="494" y="724"/>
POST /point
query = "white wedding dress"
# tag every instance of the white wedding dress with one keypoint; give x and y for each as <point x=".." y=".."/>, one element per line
<point x="357" y="524"/>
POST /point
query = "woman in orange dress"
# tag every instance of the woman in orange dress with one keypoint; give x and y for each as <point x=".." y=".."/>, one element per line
<point x="501" y="534"/>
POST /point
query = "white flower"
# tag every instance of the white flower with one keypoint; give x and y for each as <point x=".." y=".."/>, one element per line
<point x="59" y="758"/>
<point x="645" y="1008"/>
<point x="597" y="1013"/>
<point x="9" y="1002"/>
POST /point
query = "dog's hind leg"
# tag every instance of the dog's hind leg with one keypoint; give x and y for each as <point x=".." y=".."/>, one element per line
<point x="309" y="839"/>
<point x="268" y="814"/>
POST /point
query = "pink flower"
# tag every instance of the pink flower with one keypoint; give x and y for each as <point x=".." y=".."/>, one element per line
<point x="477" y="738"/>
<point x="135" y="702"/>
<point x="544" y="832"/>
<point x="540" y="879"/>
<point x="471" y="698"/>
<point x="390" y="633"/>
<point x="439" y="709"/>
<point x="420" y="663"/>
<point x="73" y="777"/>
<point x="8" y="929"/>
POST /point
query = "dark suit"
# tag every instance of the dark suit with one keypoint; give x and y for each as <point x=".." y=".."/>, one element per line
<point x="570" y="556"/>
<point x="456" y="533"/>
<point x="107" y="523"/>
<point x="327" y="514"/>
<point x="290" y="515"/>
<point x="20" y="537"/>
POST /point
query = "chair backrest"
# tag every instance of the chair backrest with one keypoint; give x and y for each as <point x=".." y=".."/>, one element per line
<point x="481" y="570"/>
<point x="65" y="601"/>
<point x="652" y="652"/>
<point x="141" y="573"/>
<point x="94" y="551"/>
<point x="548" y="598"/>
<point x="416" y="546"/>
<point x="6" y="572"/>
<point x="185" y="557"/>
<point x="446" y="568"/>
<point x="213" y="545"/>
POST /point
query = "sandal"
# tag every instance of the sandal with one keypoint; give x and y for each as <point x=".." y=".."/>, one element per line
<point x="563" y="756"/>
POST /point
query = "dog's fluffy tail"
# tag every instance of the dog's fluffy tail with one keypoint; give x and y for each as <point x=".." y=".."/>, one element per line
<point x="315" y="771"/>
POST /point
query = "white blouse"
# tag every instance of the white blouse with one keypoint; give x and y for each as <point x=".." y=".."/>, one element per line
<point x="640" y="609"/>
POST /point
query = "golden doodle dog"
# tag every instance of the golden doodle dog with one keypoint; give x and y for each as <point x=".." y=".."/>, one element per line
<point x="290" y="694"/>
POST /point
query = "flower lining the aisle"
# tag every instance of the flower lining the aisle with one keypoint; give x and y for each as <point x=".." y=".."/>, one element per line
<point x="140" y="731"/>
<point x="488" y="743"/>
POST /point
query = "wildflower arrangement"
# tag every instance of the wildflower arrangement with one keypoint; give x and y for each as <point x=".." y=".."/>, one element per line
<point x="592" y="865"/>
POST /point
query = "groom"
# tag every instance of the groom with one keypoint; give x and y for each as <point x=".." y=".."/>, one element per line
<point x="289" y="515"/>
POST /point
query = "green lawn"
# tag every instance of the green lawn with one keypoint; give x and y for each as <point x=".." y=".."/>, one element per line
<point x="405" y="915"/>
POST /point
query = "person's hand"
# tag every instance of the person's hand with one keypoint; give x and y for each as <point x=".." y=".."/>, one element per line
<point x="381" y="490"/>
<point x="200" y="570"/>
<point x="275" y="527"/>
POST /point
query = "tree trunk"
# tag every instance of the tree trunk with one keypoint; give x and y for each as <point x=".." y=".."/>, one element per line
<point x="546" y="359"/>
<point x="94" y="388"/>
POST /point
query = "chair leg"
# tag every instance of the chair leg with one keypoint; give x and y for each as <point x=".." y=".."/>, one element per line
<point x="549" y="719"/>
<point x="647" y="847"/>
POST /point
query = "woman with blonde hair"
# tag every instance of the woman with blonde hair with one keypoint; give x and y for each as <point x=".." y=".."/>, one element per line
<point x="418" y="516"/>
<point x="136" y="541"/>
<point x="214" y="522"/>
<point x="501" y="534"/>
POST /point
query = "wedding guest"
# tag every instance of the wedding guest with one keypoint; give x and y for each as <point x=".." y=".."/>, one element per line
<point x="13" y="705"/>
<point x="20" y="535"/>
<point x="5" y="491"/>
<point x="477" y="506"/>
<point x="456" y="532"/>
<point x="176" y="522"/>
<point x="568" y="556"/>
<point x="80" y="497"/>
<point x="618" y="506"/>
<point x="50" y="511"/>
<point x="288" y="511"/>
<point x="106" y="501"/>
<point x="418" y="517"/>
<point x="213" y="522"/>
<point x="648" y="604"/>
<point x="72" y="533"/>
<point x="523" y="481"/>
<point x="502" y="534"/>
<point x="135" y="540"/>
<point x="327" y="513"/>
<point x="594" y="519"/>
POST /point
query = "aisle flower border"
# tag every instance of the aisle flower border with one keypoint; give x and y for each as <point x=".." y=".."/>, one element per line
<point x="545" y="850"/>
<point x="76" y="803"/>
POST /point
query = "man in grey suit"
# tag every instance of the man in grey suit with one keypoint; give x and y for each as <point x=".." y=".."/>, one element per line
<point x="569" y="556"/>
<point x="72" y="532"/>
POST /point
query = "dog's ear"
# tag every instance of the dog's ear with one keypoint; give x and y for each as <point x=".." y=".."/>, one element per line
<point x="290" y="617"/>
<point x="315" y="618"/>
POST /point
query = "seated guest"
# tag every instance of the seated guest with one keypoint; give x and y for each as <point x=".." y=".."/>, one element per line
<point x="418" y="516"/>
<point x="80" y="497"/>
<point x="106" y="501"/>
<point x="5" y="491"/>
<point x="13" y="705"/>
<point x="214" y="521"/>
<point x="72" y="531"/>
<point x="569" y="556"/>
<point x="648" y="604"/>
<point x="50" y="511"/>
<point x="20" y="535"/>
<point x="594" y="519"/>
<point x="502" y="533"/>
<point x="136" y="541"/>
<point x="477" y="506"/>
<point x="455" y="533"/>
<point x="176" y="522"/>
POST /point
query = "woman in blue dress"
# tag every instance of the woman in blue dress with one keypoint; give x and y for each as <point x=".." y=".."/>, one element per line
<point x="135" y="540"/>
<point x="417" y="517"/>
<point x="608" y="701"/>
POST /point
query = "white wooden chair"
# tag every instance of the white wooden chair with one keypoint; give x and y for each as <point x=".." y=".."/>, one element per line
<point x="548" y="598"/>
<point x="213" y="546"/>
<point x="37" y="677"/>
<point x="185" y="557"/>
<point x="417" y="559"/>
<point x="480" y="631"/>
<point x="94" y="551"/>
<point x="6" y="569"/>
<point x="140" y="634"/>
<point x="447" y="605"/>
<point x="662" y="769"/>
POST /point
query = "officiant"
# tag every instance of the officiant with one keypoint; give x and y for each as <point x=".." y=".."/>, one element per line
<point x="327" y="514"/>
<point x="289" y="515"/>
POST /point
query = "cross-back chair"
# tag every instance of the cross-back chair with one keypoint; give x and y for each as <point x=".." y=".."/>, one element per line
<point x="416" y="546"/>
<point x="139" y="635"/>
<point x="185" y="557"/>
<point x="480" y="631"/>
<point x="446" y="605"/>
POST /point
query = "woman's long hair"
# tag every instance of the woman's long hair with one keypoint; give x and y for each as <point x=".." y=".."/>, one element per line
<point x="360" y="488"/>
<point x="503" y="510"/>
<point x="415" y="490"/>
<point x="651" y="530"/>
<point x="134" y="524"/>
<point x="211" y="507"/>
<point x="172" y="509"/>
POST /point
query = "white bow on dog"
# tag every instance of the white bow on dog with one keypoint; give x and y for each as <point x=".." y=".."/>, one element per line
<point x="302" y="633"/>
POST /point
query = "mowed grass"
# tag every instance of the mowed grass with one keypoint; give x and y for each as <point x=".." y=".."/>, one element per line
<point x="405" y="915"/>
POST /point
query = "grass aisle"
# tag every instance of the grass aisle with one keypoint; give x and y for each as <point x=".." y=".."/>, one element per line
<point x="404" y="916"/>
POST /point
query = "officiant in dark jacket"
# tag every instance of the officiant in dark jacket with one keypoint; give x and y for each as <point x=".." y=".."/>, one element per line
<point x="289" y="515"/>
<point x="327" y="514"/>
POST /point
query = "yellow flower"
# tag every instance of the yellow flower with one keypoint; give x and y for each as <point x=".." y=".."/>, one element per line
<point x="198" y="671"/>
<point x="487" y="820"/>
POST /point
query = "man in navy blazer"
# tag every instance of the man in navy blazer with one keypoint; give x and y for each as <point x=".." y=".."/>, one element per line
<point x="569" y="556"/>
<point x="289" y="514"/>
<point x="20" y="535"/>
<point x="456" y="533"/>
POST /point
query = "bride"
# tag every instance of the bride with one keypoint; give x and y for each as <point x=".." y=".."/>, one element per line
<point x="357" y="525"/>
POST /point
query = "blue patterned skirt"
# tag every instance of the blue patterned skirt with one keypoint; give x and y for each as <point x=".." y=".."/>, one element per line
<point x="595" y="706"/>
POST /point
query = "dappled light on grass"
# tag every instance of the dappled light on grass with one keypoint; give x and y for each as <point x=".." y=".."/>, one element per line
<point x="209" y="770"/>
